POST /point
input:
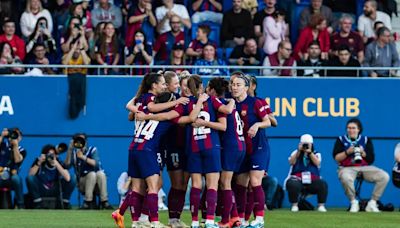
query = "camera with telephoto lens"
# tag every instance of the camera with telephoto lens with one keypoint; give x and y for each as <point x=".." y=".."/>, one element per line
<point x="79" y="142"/>
<point x="61" y="148"/>
<point x="13" y="134"/>
<point x="357" y="154"/>
<point x="305" y="146"/>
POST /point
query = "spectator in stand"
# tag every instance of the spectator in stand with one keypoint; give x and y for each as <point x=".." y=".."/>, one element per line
<point x="40" y="56"/>
<point x="313" y="60"/>
<point x="388" y="6"/>
<point x="165" y="13"/>
<point x="247" y="55"/>
<point x="33" y="12"/>
<point x="107" y="12"/>
<point x="316" y="7"/>
<point x="8" y="9"/>
<point x="237" y="26"/>
<point x="371" y="15"/>
<point x="141" y="17"/>
<point x="195" y="49"/>
<point x="304" y="174"/>
<point x="251" y="6"/>
<point x="139" y="54"/>
<point x="163" y="46"/>
<point x="382" y="53"/>
<point x="76" y="77"/>
<point x="283" y="57"/>
<point x="80" y="9"/>
<point x="42" y="35"/>
<point x="210" y="59"/>
<point x="342" y="6"/>
<point x="354" y="153"/>
<point x="349" y="38"/>
<point x="75" y="32"/>
<point x="178" y="57"/>
<point x="45" y="177"/>
<point x="17" y="44"/>
<point x="316" y="30"/>
<point x="107" y="51"/>
<point x="258" y="20"/>
<point x="7" y="57"/>
<point x="344" y="58"/>
<point x="275" y="30"/>
<point x="60" y="15"/>
<point x="207" y="10"/>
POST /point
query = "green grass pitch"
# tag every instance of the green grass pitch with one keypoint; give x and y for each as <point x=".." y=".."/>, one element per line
<point x="277" y="218"/>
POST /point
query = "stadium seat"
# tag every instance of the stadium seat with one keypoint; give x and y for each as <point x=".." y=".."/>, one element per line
<point x="227" y="5"/>
<point x="228" y="52"/>
<point x="214" y="34"/>
<point x="295" y="15"/>
<point x="5" y="198"/>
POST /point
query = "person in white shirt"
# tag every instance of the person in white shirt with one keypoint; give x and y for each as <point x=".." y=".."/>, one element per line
<point x="34" y="10"/>
<point x="367" y="20"/>
<point x="169" y="9"/>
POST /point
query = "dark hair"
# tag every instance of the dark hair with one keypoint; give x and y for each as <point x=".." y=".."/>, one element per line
<point x="314" y="42"/>
<point x="8" y="20"/>
<point x="211" y="45"/>
<point x="205" y="28"/>
<point x="32" y="36"/>
<point x="147" y="82"/>
<point x="46" y="149"/>
<point x="315" y="20"/>
<point x="68" y="33"/>
<point x="344" y="48"/>
<point x="277" y="13"/>
<point x="382" y="30"/>
<point x="219" y="84"/>
<point x="164" y="97"/>
<point x="80" y="134"/>
<point x="2" y="48"/>
<point x="38" y="45"/>
<point x="194" y="83"/>
<point x="378" y="23"/>
<point x="144" y="35"/>
<point x="356" y="122"/>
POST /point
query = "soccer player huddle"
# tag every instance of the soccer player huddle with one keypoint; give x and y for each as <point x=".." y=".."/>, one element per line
<point x="214" y="133"/>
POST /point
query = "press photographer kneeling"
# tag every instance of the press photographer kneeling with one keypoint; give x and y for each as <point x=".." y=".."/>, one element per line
<point x="89" y="173"/>
<point x="11" y="157"/>
<point x="48" y="178"/>
<point x="304" y="174"/>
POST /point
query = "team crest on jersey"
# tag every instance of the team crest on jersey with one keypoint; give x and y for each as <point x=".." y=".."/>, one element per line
<point x="243" y="113"/>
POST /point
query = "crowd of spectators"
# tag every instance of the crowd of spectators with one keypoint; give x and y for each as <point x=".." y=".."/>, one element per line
<point x="146" y="32"/>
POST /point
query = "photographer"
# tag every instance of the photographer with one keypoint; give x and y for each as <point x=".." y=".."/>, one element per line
<point x="87" y="167"/>
<point x="45" y="177"/>
<point x="355" y="154"/>
<point x="11" y="157"/>
<point x="304" y="174"/>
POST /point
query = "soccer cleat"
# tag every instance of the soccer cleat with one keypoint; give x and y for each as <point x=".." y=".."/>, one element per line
<point x="157" y="225"/>
<point x="211" y="225"/>
<point x="144" y="224"/>
<point x="119" y="219"/>
<point x="182" y="224"/>
<point x="321" y="208"/>
<point x="226" y="225"/>
<point x="372" y="206"/>
<point x="295" y="208"/>
<point x="135" y="224"/>
<point x="355" y="207"/>
<point x="256" y="224"/>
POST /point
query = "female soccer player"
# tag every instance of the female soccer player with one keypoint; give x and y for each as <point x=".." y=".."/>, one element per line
<point x="255" y="119"/>
<point x="233" y="149"/>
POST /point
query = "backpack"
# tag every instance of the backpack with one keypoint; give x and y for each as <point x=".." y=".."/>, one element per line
<point x="396" y="178"/>
<point x="304" y="205"/>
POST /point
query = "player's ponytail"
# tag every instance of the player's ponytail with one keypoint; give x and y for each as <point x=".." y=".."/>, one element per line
<point x="194" y="83"/>
<point x="147" y="82"/>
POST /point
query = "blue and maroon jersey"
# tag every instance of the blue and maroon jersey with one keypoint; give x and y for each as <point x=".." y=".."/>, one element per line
<point x="233" y="137"/>
<point x="143" y="101"/>
<point x="252" y="110"/>
<point x="148" y="135"/>
<point x="266" y="105"/>
<point x="201" y="138"/>
<point x="207" y="6"/>
<point x="176" y="134"/>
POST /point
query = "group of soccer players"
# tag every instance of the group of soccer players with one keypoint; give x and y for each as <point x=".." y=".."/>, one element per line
<point x="215" y="133"/>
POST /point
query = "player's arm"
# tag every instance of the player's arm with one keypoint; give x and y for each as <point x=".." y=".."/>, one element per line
<point x="262" y="124"/>
<point x="274" y="122"/>
<point x="130" y="106"/>
<point x="141" y="116"/>
<point x="153" y="107"/>
<point x="195" y="112"/>
<point x="219" y="126"/>
<point x="227" y="109"/>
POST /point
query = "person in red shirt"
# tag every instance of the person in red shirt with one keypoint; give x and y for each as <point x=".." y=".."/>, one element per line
<point x="316" y="30"/>
<point x="17" y="44"/>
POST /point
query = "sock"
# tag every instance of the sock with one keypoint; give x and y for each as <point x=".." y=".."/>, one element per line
<point x="234" y="212"/>
<point x="211" y="203"/>
<point x="136" y="202"/>
<point x="249" y="205"/>
<point x="220" y="204"/>
<point x="145" y="206"/>
<point x="240" y="196"/>
<point x="173" y="202"/>
<point x="195" y="203"/>
<point x="259" y="200"/>
<point x="227" y="202"/>
<point x="181" y="194"/>
<point x="125" y="204"/>
<point x="203" y="206"/>
<point x="152" y="200"/>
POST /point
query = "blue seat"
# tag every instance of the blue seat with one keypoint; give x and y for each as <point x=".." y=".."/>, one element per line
<point x="295" y="17"/>
<point x="227" y="5"/>
<point x="228" y="52"/>
<point x="214" y="34"/>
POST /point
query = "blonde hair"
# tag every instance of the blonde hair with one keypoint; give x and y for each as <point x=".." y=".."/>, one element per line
<point x="28" y="6"/>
